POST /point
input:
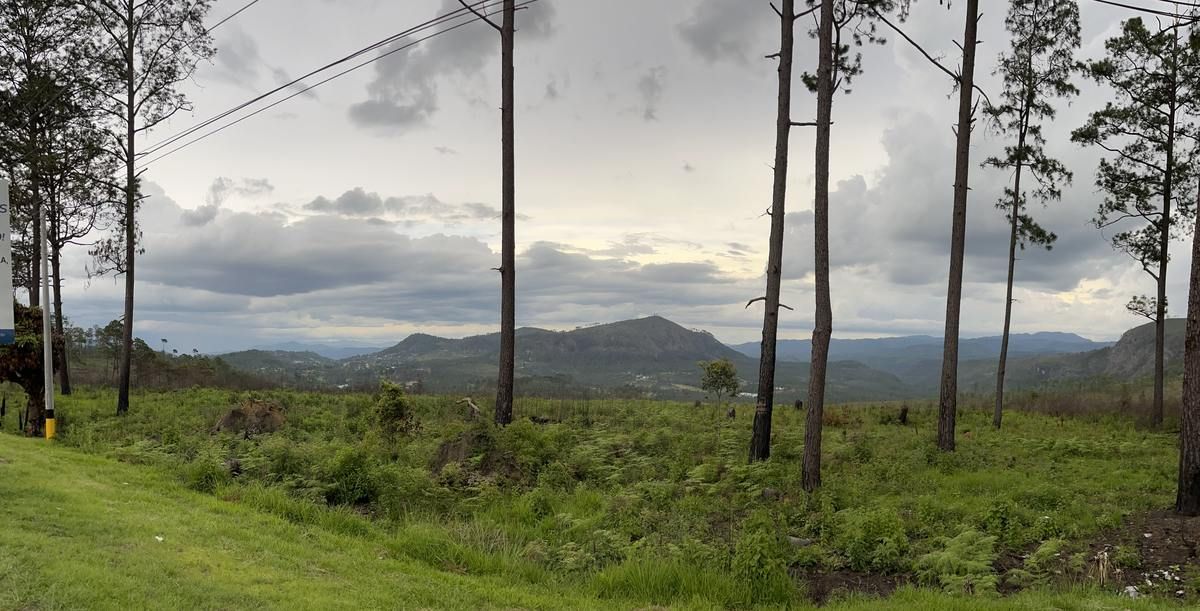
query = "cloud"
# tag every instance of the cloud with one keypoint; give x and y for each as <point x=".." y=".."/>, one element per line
<point x="650" y="88"/>
<point x="898" y="228"/>
<point x="359" y="203"/>
<point x="723" y="30"/>
<point x="220" y="190"/>
<point x="404" y="91"/>
<point x="445" y="150"/>
<point x="239" y="61"/>
<point x="244" y="275"/>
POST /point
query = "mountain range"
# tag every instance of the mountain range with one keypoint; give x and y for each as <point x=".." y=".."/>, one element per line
<point x="917" y="359"/>
<point x="654" y="357"/>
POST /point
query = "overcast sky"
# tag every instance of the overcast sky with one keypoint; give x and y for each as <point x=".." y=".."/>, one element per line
<point x="368" y="209"/>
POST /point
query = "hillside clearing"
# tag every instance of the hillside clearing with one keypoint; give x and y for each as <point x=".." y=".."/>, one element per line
<point x="624" y="504"/>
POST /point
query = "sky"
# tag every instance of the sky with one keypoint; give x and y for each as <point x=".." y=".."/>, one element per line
<point x="367" y="209"/>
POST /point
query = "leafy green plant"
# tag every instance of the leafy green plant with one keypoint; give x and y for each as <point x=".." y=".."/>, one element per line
<point x="963" y="565"/>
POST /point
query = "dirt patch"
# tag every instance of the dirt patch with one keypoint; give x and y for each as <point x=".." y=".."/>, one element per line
<point x="1154" y="552"/>
<point x="252" y="417"/>
<point x="820" y="586"/>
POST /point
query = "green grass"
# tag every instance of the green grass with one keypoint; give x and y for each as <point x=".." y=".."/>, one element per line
<point x="623" y="505"/>
<point x="81" y="532"/>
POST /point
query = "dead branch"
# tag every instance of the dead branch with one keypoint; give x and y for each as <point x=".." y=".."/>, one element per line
<point x="757" y="299"/>
<point x="471" y="404"/>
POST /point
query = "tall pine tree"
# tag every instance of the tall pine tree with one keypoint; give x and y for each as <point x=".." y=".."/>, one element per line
<point x="1036" y="69"/>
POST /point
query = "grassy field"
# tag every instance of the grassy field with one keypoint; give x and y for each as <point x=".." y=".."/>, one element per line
<point x="619" y="505"/>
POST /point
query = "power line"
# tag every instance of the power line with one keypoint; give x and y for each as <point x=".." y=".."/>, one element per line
<point x="1150" y="11"/>
<point x="235" y="14"/>
<point x="322" y="82"/>
<point x="455" y="14"/>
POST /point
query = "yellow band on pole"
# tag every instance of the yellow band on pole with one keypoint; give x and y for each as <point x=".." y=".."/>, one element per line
<point x="49" y="428"/>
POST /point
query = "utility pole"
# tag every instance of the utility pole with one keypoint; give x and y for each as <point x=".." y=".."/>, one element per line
<point x="47" y="338"/>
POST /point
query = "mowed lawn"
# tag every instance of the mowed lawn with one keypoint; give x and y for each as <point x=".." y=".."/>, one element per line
<point x="79" y="531"/>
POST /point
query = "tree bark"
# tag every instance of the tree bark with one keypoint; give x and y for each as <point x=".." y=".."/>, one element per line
<point x="130" y="209"/>
<point x="64" y="374"/>
<point x="760" y="439"/>
<point x="823" y="327"/>
<point x="948" y="400"/>
<point x="1187" y="497"/>
<point x="508" y="269"/>
<point x="1164" y="242"/>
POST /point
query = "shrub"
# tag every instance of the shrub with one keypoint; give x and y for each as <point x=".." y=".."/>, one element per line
<point x="962" y="566"/>
<point x="874" y="540"/>
<point x="393" y="411"/>
<point x="351" y="476"/>
<point x="760" y="555"/>
<point x="205" y="474"/>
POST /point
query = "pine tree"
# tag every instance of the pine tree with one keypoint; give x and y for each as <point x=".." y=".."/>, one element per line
<point x="1036" y="69"/>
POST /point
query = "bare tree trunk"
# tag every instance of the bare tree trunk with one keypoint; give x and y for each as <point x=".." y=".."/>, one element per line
<point x="130" y="209"/>
<point x="948" y="400"/>
<point x="1008" y="298"/>
<point x="64" y="374"/>
<point x="1187" y="497"/>
<point x="1164" y="242"/>
<point x="35" y="410"/>
<point x="508" y="266"/>
<point x="823" y="327"/>
<point x="760" y="440"/>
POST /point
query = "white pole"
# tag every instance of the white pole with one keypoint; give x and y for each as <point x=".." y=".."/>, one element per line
<point x="47" y="337"/>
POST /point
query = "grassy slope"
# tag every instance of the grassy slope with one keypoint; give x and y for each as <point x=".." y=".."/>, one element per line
<point x="80" y="532"/>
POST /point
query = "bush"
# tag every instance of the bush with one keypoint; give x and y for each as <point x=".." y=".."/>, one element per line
<point x="205" y="474"/>
<point x="874" y="540"/>
<point x="759" y="554"/>
<point x="352" y="477"/>
<point x="394" y="412"/>
<point x="962" y="566"/>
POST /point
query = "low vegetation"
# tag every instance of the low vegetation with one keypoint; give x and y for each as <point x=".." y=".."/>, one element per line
<point x="637" y="503"/>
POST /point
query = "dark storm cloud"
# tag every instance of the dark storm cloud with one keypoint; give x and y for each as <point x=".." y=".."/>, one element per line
<point x="725" y="29"/>
<point x="404" y="92"/>
<point x="899" y="229"/>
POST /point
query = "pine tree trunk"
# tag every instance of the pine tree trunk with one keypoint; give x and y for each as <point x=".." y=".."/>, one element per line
<point x="760" y="440"/>
<point x="823" y="328"/>
<point x="1164" y="242"/>
<point x="1187" y="497"/>
<point x="64" y="374"/>
<point x="35" y="419"/>
<point x="129" y="220"/>
<point x="948" y="400"/>
<point x="998" y="414"/>
<point x="508" y="269"/>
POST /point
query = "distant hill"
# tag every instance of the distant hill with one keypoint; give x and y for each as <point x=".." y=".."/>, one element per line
<point x="1131" y="358"/>
<point x="335" y="351"/>
<point x="647" y="357"/>
<point x="917" y="359"/>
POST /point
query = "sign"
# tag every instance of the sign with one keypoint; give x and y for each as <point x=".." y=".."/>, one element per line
<point x="7" y="328"/>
